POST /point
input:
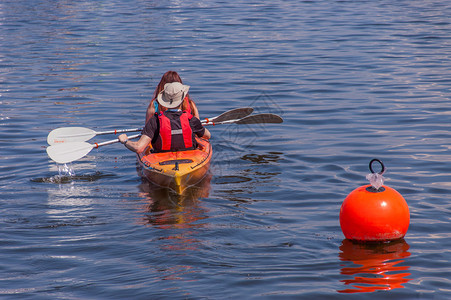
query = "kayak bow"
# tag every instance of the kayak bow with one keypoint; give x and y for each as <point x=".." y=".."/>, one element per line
<point x="177" y="170"/>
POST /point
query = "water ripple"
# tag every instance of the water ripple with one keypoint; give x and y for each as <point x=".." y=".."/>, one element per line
<point x="352" y="80"/>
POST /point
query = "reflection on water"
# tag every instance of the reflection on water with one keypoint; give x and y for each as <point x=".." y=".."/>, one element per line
<point x="182" y="214"/>
<point x="167" y="209"/>
<point x="376" y="266"/>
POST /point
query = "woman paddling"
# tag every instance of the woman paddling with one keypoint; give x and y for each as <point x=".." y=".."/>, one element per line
<point x="173" y="128"/>
<point x="188" y="103"/>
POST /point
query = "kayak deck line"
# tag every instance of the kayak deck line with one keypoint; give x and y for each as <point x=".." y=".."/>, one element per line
<point x="148" y="165"/>
<point x="175" y="161"/>
<point x="201" y="162"/>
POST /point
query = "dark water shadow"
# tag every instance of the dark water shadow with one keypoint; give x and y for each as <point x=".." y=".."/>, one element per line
<point x="252" y="174"/>
<point x="267" y="158"/>
<point x="376" y="266"/>
<point x="63" y="179"/>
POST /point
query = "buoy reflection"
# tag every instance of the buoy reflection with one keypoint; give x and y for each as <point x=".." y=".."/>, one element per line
<point x="377" y="266"/>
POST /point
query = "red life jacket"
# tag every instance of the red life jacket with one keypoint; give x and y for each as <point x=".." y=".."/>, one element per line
<point x="167" y="133"/>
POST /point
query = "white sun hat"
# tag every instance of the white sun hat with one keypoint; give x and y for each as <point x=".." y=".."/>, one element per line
<point x="173" y="94"/>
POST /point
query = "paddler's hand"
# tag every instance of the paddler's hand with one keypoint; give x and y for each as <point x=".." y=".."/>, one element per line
<point x="123" y="138"/>
<point x="138" y="146"/>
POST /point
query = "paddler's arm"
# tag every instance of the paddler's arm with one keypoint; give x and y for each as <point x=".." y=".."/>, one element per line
<point x="207" y="134"/>
<point x="138" y="146"/>
<point x="199" y="129"/>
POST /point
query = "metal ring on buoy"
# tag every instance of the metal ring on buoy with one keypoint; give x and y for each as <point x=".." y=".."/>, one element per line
<point x="382" y="165"/>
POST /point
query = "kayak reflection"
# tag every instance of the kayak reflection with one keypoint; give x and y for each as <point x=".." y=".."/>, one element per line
<point x="167" y="209"/>
<point x="377" y="268"/>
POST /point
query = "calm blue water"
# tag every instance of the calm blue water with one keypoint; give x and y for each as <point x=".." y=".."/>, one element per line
<point x="353" y="80"/>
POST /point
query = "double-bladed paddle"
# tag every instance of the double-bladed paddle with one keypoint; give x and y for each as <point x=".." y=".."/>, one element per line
<point x="66" y="152"/>
<point x="82" y="134"/>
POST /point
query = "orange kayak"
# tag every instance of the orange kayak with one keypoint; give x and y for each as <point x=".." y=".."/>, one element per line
<point x="177" y="170"/>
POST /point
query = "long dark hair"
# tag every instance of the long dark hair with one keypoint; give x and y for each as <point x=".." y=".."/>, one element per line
<point x="168" y="77"/>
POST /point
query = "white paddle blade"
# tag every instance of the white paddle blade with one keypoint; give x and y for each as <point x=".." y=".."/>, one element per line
<point x="68" y="152"/>
<point x="69" y="134"/>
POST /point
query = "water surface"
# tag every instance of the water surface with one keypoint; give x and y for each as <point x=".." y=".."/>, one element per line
<point x="353" y="80"/>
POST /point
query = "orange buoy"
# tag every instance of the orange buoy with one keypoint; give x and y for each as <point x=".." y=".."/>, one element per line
<point x="374" y="213"/>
